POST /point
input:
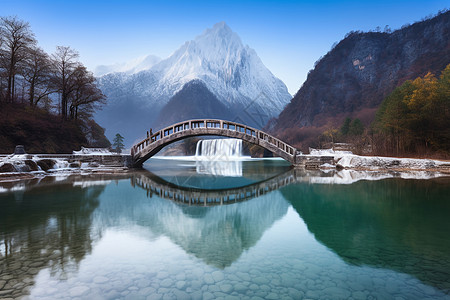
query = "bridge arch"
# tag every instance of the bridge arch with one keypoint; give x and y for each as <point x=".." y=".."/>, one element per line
<point x="155" y="185"/>
<point x="150" y="146"/>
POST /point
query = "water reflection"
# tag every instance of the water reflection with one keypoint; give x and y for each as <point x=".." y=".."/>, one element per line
<point x="231" y="168"/>
<point x="43" y="228"/>
<point x="401" y="225"/>
<point x="155" y="185"/>
<point x="216" y="235"/>
<point x="57" y="226"/>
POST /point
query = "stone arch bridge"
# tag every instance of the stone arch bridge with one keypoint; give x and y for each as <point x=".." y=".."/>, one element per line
<point x="150" y="146"/>
<point x="155" y="185"/>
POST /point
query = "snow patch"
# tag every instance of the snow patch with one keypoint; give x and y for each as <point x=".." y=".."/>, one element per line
<point x="347" y="159"/>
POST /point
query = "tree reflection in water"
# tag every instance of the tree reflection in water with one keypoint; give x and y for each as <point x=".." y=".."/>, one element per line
<point x="396" y="224"/>
<point x="44" y="227"/>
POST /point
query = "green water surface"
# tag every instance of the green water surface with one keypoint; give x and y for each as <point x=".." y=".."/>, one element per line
<point x="107" y="237"/>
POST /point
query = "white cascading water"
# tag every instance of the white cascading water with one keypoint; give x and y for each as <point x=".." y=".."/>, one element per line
<point x="219" y="157"/>
<point x="222" y="149"/>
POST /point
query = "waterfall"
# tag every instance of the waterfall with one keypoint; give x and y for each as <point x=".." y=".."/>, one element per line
<point x="223" y="149"/>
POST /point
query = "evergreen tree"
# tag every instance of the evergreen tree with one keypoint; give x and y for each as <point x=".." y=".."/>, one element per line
<point x="346" y="126"/>
<point x="118" y="143"/>
<point x="356" y="127"/>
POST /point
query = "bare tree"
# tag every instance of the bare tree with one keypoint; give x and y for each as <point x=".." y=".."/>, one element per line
<point x="37" y="71"/>
<point x="17" y="40"/>
<point x="86" y="96"/>
<point x="65" y="62"/>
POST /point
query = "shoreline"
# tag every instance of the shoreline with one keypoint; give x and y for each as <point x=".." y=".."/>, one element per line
<point x="343" y="160"/>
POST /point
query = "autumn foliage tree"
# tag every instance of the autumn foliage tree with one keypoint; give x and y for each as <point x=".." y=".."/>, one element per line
<point x="415" y="117"/>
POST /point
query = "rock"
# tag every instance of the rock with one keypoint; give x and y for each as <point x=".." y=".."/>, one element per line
<point x="337" y="292"/>
<point x="218" y="276"/>
<point x="272" y="296"/>
<point x="78" y="291"/>
<point x="166" y="282"/>
<point x="162" y="275"/>
<point x="7" y="167"/>
<point x="180" y="284"/>
<point x="208" y="279"/>
<point x="20" y="149"/>
<point x="74" y="165"/>
<point x="5" y="292"/>
<point x="208" y="296"/>
<point x="240" y="287"/>
<point x="31" y="164"/>
<point x="100" y="279"/>
<point x="261" y="280"/>
<point x="154" y="297"/>
<point x="46" y="164"/>
<point x="180" y="295"/>
<point x="226" y="288"/>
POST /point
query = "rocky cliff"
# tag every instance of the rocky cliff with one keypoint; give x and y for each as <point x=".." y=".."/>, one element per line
<point x="361" y="70"/>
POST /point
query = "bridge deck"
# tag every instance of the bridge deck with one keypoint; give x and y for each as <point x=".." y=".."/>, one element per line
<point x="154" y="143"/>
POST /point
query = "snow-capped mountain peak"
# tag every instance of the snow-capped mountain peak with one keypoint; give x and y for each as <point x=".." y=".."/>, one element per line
<point x="232" y="71"/>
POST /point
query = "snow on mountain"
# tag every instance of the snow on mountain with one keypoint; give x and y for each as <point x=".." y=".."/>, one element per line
<point x="232" y="71"/>
<point x="132" y="67"/>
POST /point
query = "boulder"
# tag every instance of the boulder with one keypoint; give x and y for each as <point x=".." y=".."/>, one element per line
<point x="7" y="167"/>
<point x="46" y="164"/>
<point x="32" y="165"/>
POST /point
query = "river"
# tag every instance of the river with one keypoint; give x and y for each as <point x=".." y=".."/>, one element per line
<point x="246" y="229"/>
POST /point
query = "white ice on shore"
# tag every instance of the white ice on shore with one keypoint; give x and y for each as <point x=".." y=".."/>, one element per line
<point x="93" y="151"/>
<point x="347" y="159"/>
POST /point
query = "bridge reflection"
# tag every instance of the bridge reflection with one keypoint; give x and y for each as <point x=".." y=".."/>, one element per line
<point x="211" y="197"/>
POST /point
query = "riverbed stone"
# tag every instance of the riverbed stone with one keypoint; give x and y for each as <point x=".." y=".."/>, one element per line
<point x="78" y="291"/>
<point x="240" y="287"/>
<point x="359" y="295"/>
<point x="208" y="296"/>
<point x="33" y="271"/>
<point x="6" y="292"/>
<point x="162" y="275"/>
<point x="208" y="279"/>
<point x="243" y="276"/>
<point x="154" y="297"/>
<point x="337" y="292"/>
<point x="166" y="282"/>
<point x="226" y="288"/>
<point x="181" y="295"/>
<point x="7" y="277"/>
<point x="100" y="279"/>
<point x="180" y="284"/>
<point x="272" y="296"/>
<point x="2" y="284"/>
<point x="197" y="295"/>
<point x="218" y="276"/>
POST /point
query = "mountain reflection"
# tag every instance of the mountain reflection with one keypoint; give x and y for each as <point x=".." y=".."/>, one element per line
<point x="385" y="224"/>
<point x="218" y="235"/>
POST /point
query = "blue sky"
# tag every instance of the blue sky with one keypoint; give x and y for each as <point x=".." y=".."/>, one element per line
<point x="289" y="36"/>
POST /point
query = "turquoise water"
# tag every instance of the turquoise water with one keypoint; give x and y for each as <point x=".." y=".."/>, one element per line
<point x="138" y="236"/>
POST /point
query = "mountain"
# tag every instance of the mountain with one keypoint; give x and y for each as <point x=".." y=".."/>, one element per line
<point x="231" y="71"/>
<point x="193" y="101"/>
<point x="132" y="67"/>
<point x="359" y="72"/>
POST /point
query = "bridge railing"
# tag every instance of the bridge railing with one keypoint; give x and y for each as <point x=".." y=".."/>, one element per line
<point x="213" y="124"/>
